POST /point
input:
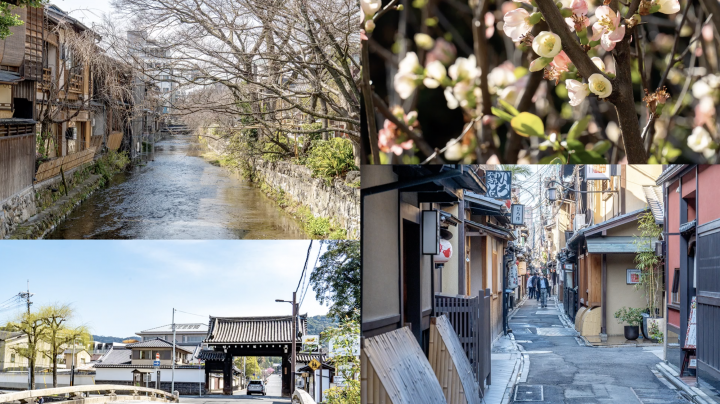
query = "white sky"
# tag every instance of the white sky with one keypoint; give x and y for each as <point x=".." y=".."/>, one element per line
<point x="88" y="12"/>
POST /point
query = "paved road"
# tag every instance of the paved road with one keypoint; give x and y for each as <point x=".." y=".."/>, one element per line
<point x="564" y="371"/>
<point x="274" y="388"/>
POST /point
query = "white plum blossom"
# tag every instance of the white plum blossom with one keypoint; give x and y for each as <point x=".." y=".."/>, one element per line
<point x="516" y="24"/>
<point x="370" y="7"/>
<point x="547" y="44"/>
<point x="599" y="63"/>
<point x="599" y="85"/>
<point x="668" y="6"/>
<point x="699" y="140"/>
<point x="435" y="73"/>
<point x="463" y="73"/>
<point x="577" y="91"/>
<point x="464" y="69"/>
<point x="406" y="79"/>
<point x="424" y="41"/>
<point x="501" y="77"/>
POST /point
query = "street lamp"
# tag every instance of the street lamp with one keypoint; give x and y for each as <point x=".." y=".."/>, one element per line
<point x="293" y="349"/>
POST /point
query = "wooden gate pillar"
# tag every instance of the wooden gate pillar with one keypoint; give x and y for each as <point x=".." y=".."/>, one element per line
<point x="287" y="387"/>
<point x="228" y="375"/>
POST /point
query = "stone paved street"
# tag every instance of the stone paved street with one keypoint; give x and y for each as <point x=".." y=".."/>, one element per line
<point x="563" y="370"/>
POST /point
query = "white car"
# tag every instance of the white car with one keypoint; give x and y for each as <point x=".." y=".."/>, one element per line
<point x="256" y="386"/>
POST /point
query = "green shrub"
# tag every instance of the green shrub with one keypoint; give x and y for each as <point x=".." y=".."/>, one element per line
<point x="331" y="158"/>
<point x="631" y="316"/>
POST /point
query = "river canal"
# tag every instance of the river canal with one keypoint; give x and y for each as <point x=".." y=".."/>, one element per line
<point x="177" y="194"/>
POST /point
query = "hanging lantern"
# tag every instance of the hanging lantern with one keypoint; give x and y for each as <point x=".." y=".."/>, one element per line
<point x="445" y="252"/>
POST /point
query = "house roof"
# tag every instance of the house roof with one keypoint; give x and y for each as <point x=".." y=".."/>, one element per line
<point x="117" y="355"/>
<point x="6" y="335"/>
<point x="495" y="230"/>
<point x="306" y="358"/>
<point x="654" y="197"/>
<point x="608" y="224"/>
<point x="688" y="227"/>
<point x="253" y="329"/>
<point x="200" y="328"/>
<point x="669" y="173"/>
<point x="613" y="245"/>
<point x="210" y="355"/>
<point x="9" y="77"/>
<point x="157" y="343"/>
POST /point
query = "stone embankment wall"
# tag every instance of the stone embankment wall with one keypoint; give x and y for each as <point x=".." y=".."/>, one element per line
<point x="338" y="201"/>
<point x="184" y="388"/>
<point x="27" y="203"/>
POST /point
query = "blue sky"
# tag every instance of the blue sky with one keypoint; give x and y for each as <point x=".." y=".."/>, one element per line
<point x="120" y="287"/>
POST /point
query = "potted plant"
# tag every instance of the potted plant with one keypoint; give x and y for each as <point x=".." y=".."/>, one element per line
<point x="650" y="266"/>
<point x="633" y="317"/>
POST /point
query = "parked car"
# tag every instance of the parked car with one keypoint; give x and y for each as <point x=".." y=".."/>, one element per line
<point x="256" y="386"/>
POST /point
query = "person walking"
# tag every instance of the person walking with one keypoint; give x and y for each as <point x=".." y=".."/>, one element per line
<point x="554" y="280"/>
<point x="530" y="289"/>
<point x="544" y="285"/>
<point x="536" y="278"/>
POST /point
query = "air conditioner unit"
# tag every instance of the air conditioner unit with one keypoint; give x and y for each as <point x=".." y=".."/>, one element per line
<point x="579" y="221"/>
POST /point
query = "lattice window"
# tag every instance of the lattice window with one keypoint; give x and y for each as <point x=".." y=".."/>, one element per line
<point x="34" y="27"/>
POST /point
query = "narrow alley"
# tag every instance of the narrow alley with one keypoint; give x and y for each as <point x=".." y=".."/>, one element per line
<point x="178" y="195"/>
<point x="562" y="369"/>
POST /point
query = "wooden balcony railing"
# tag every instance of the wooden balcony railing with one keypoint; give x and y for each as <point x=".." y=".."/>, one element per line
<point x="46" y="78"/>
<point x="75" y="83"/>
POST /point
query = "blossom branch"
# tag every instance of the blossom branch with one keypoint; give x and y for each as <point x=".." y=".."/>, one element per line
<point x="485" y="143"/>
<point x="622" y="96"/>
<point x="424" y="147"/>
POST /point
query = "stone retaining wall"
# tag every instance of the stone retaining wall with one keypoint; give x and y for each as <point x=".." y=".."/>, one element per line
<point x="27" y="203"/>
<point x="338" y="201"/>
<point x="184" y="388"/>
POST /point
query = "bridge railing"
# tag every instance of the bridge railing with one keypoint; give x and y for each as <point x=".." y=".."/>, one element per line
<point x="302" y="397"/>
<point x="76" y="392"/>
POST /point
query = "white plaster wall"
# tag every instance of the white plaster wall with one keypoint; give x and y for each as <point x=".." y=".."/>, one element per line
<point x="16" y="380"/>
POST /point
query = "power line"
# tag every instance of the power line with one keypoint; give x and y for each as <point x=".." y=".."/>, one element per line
<point x="302" y="299"/>
<point x="199" y="315"/>
<point x="307" y="258"/>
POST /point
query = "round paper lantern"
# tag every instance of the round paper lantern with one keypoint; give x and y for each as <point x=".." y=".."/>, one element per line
<point x="445" y="252"/>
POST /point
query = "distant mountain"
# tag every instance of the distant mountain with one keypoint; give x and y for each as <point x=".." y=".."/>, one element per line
<point x="107" y="340"/>
<point x="318" y="324"/>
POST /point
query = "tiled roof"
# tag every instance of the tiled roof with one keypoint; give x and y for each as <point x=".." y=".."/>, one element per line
<point x="128" y="365"/>
<point x="654" y="197"/>
<point x="306" y="358"/>
<point x="180" y="328"/>
<point x="157" y="343"/>
<point x="116" y="356"/>
<point x="669" y="173"/>
<point x="208" y="355"/>
<point x="253" y="329"/>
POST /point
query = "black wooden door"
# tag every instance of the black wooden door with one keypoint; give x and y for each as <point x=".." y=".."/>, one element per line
<point x="708" y="305"/>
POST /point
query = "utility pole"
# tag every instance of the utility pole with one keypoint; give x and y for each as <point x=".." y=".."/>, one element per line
<point x="294" y="343"/>
<point x="172" y="384"/>
<point x="27" y="296"/>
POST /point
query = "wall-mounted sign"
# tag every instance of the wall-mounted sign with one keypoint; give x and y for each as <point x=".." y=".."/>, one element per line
<point x="597" y="171"/>
<point x="499" y="184"/>
<point x="633" y="276"/>
<point x="430" y="232"/>
<point x="517" y="214"/>
<point x="445" y="252"/>
<point x="310" y="343"/>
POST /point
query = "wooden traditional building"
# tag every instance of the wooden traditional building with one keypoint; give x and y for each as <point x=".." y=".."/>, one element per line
<point x="692" y="255"/>
<point x="412" y="275"/>
<point x="20" y="69"/>
<point x="251" y="336"/>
